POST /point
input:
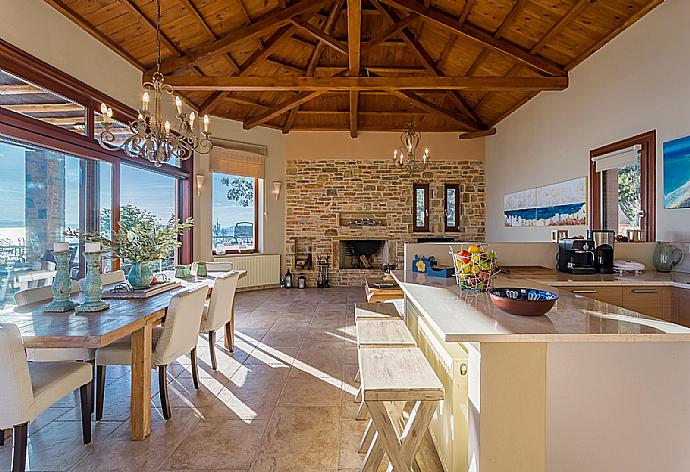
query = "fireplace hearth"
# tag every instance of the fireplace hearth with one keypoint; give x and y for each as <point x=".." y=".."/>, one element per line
<point x="364" y="254"/>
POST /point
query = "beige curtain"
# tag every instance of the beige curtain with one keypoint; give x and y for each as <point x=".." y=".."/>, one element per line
<point x="238" y="159"/>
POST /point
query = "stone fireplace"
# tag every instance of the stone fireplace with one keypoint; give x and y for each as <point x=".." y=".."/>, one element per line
<point x="355" y="211"/>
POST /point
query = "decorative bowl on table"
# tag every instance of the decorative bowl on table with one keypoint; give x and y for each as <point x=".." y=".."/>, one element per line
<point x="523" y="301"/>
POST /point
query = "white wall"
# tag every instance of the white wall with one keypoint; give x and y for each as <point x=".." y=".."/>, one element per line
<point x="42" y="31"/>
<point x="636" y="83"/>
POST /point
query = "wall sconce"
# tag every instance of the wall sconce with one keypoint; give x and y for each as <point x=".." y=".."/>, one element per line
<point x="200" y="179"/>
<point x="276" y="188"/>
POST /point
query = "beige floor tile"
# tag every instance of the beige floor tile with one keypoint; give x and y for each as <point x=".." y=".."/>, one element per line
<point x="307" y="390"/>
<point x="301" y="439"/>
<point x="351" y="432"/>
<point x="208" y="447"/>
<point x="272" y="356"/>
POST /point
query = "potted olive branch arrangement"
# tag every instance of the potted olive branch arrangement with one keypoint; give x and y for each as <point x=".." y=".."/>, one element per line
<point x="144" y="241"/>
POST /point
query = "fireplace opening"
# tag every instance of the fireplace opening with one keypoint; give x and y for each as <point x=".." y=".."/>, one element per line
<point x="361" y="253"/>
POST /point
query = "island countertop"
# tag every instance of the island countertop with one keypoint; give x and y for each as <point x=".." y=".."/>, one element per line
<point x="463" y="316"/>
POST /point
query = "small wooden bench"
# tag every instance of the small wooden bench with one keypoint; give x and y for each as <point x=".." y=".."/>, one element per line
<point x="376" y="311"/>
<point x="392" y="377"/>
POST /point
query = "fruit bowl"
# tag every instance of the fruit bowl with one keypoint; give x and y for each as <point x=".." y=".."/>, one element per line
<point x="475" y="267"/>
<point x="523" y="301"/>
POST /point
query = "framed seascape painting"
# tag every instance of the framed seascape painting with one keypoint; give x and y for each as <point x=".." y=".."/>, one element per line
<point x="677" y="173"/>
<point x="520" y="208"/>
<point x="563" y="204"/>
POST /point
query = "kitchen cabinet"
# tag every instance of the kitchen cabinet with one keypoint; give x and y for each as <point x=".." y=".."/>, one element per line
<point x="681" y="305"/>
<point x="611" y="295"/>
<point x="648" y="300"/>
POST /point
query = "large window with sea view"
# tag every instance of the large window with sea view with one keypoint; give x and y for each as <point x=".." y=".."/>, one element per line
<point x="234" y="213"/>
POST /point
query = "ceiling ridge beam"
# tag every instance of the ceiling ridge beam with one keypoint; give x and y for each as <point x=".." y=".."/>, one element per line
<point x="423" y="83"/>
<point x="273" y="19"/>
<point x="315" y="57"/>
<point x="354" y="40"/>
<point x="442" y="18"/>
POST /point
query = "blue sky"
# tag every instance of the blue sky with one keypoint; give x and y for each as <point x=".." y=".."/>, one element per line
<point x="228" y="212"/>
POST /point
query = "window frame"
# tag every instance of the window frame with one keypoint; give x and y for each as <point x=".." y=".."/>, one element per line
<point x="647" y="181"/>
<point x="255" y="249"/>
<point x="456" y="227"/>
<point x="425" y="228"/>
<point x="39" y="133"/>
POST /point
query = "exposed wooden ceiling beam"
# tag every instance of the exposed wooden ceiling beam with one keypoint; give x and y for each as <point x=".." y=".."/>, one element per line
<point x="441" y="18"/>
<point x="478" y="134"/>
<point x="354" y="39"/>
<point x="89" y="28"/>
<point x="270" y="20"/>
<point x="20" y="89"/>
<point x="320" y="35"/>
<point x="282" y="108"/>
<point x="466" y="11"/>
<point x="316" y="57"/>
<point x="44" y="107"/>
<point x="390" y="31"/>
<point x="508" y="21"/>
<point x="428" y="63"/>
<point x="573" y="13"/>
<point x="251" y="63"/>
<point x="276" y="84"/>
<point x="431" y="107"/>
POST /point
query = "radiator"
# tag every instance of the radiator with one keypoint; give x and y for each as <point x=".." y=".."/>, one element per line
<point x="262" y="269"/>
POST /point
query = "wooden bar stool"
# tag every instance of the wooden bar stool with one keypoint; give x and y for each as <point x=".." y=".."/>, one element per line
<point x="375" y="333"/>
<point x="397" y="376"/>
<point x="376" y="311"/>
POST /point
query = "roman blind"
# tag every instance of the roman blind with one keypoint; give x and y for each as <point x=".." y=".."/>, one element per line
<point x="617" y="159"/>
<point x="235" y="158"/>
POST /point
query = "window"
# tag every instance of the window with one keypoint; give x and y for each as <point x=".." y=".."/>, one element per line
<point x="451" y="205"/>
<point x="420" y="208"/>
<point x="623" y="187"/>
<point x="234" y="213"/>
<point x="44" y="193"/>
<point x="147" y="194"/>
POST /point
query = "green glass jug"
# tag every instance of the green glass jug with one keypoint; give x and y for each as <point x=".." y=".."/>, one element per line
<point x="666" y="256"/>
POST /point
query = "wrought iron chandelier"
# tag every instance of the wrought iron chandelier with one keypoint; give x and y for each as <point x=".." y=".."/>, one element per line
<point x="405" y="157"/>
<point x="152" y="137"/>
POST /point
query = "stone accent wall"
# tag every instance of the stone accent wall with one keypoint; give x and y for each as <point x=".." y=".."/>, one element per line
<point x="320" y="193"/>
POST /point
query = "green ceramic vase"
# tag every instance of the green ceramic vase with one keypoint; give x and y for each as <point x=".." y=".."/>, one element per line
<point x="140" y="275"/>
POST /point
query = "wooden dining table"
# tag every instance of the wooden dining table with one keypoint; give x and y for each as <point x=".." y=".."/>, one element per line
<point x="126" y="316"/>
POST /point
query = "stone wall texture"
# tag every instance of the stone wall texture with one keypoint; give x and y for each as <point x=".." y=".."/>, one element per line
<point x="320" y="194"/>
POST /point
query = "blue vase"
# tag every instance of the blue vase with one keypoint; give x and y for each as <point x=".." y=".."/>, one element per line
<point x="140" y="275"/>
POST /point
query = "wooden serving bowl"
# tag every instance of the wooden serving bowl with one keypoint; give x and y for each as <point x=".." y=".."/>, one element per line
<point x="523" y="301"/>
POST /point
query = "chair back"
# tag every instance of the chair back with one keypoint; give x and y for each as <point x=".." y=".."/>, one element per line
<point x="219" y="266"/>
<point x="112" y="278"/>
<point x="220" y="307"/>
<point x="40" y="294"/>
<point x="17" y="391"/>
<point x="181" y="326"/>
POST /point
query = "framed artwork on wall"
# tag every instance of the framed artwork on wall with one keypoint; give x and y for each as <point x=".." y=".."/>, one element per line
<point x="559" y="204"/>
<point x="677" y="173"/>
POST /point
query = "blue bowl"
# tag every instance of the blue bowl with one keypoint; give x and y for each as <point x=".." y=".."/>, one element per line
<point x="523" y="301"/>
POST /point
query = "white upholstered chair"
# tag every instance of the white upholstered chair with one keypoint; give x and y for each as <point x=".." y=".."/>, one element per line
<point x="219" y="266"/>
<point x="178" y="336"/>
<point x="218" y="312"/>
<point x="29" y="388"/>
<point x="40" y="294"/>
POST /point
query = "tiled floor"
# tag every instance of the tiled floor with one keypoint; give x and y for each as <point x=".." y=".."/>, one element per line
<point x="283" y="401"/>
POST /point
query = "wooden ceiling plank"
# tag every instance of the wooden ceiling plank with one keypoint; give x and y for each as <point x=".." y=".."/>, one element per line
<point x="478" y="62"/>
<point x="44" y="107"/>
<point x="315" y="58"/>
<point x="20" y="89"/>
<point x="285" y="65"/>
<point x="478" y="134"/>
<point x="446" y="52"/>
<point x="302" y="84"/>
<point x="510" y="18"/>
<point x="615" y="32"/>
<point x="429" y="106"/>
<point x="511" y="73"/>
<point x="252" y="62"/>
<point x="354" y="39"/>
<point x="390" y="31"/>
<point x="86" y="26"/>
<point x="517" y="105"/>
<point x="320" y="35"/>
<point x="152" y="26"/>
<point x="573" y="13"/>
<point x="282" y="108"/>
<point x="270" y="20"/>
<point x="428" y="62"/>
<point x="466" y="11"/>
<point x="441" y="18"/>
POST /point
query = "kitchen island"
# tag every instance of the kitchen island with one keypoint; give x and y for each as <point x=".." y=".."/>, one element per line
<point x="588" y="387"/>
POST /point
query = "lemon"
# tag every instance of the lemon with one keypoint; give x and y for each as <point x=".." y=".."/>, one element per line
<point x="474" y="249"/>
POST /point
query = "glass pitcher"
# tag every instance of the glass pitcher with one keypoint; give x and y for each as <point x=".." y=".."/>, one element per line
<point x="666" y="256"/>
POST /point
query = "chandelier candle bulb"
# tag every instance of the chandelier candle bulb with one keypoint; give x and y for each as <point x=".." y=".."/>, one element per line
<point x="206" y="121"/>
<point x="178" y="104"/>
<point x="192" y="117"/>
<point x="167" y="127"/>
<point x="145" y="102"/>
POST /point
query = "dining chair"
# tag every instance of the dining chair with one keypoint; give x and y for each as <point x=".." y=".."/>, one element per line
<point x="29" y="388"/>
<point x="178" y="336"/>
<point x="218" y="312"/>
<point x="219" y="266"/>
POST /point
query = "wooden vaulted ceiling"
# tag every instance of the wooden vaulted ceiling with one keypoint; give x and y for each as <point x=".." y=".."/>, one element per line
<point x="450" y="65"/>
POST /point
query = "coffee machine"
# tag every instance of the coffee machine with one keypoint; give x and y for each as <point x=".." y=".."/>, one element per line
<point x="576" y="256"/>
<point x="603" y="249"/>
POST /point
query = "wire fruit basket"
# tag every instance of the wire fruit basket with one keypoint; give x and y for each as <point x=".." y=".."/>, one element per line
<point x="475" y="267"/>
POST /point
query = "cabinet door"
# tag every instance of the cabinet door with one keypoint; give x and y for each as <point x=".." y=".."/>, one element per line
<point x="644" y="299"/>
<point x="681" y="305"/>
<point x="612" y="295"/>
